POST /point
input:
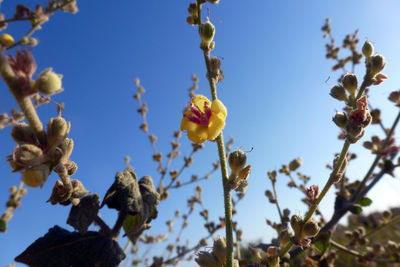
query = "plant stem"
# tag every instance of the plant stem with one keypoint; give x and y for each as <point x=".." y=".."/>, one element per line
<point x="330" y="182"/>
<point x="383" y="225"/>
<point x="276" y="201"/>
<point x="344" y="249"/>
<point x="224" y="172"/>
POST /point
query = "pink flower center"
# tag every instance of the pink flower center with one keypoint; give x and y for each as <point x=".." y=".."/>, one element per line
<point x="199" y="117"/>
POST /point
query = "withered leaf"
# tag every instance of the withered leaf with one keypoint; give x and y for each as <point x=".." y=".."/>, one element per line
<point x="81" y="216"/>
<point x="60" y="248"/>
<point x="124" y="194"/>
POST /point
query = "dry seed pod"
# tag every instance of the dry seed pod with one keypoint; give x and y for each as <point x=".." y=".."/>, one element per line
<point x="22" y="133"/>
<point x="28" y="155"/>
<point x="57" y="131"/>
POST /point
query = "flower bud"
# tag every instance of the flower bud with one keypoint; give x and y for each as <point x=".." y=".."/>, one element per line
<point x="237" y="159"/>
<point x="310" y="228"/>
<point x="340" y="119"/>
<point x="207" y="31"/>
<point x="33" y="42"/>
<point x="193" y="9"/>
<point x="206" y="259"/>
<point x="296" y="222"/>
<point x="213" y="1"/>
<point x="338" y="92"/>
<point x="57" y="131"/>
<point x="387" y="214"/>
<point x="28" y="155"/>
<point x="36" y="176"/>
<point x="22" y="133"/>
<point x="350" y="83"/>
<point x="219" y="249"/>
<point x="6" y="40"/>
<point x="377" y="64"/>
<point x="66" y="147"/>
<point x="368" y="49"/>
<point x="215" y="64"/>
<point x="190" y="20"/>
<point x="48" y="82"/>
<point x="71" y="167"/>
<point x="295" y="164"/>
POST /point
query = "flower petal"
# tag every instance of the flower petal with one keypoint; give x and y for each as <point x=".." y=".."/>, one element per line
<point x="199" y="135"/>
<point x="198" y="101"/>
<point x="217" y="123"/>
<point x="188" y="125"/>
<point x="218" y="107"/>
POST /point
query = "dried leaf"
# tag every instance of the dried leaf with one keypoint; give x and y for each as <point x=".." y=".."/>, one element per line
<point x="82" y="216"/>
<point x="60" y="247"/>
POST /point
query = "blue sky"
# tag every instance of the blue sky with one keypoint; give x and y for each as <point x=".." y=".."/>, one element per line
<point x="274" y="88"/>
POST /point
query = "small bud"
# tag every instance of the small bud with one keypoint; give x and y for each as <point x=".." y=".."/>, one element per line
<point x="36" y="176"/>
<point x="22" y="133"/>
<point x="207" y="31"/>
<point x="387" y="214"/>
<point x="284" y="237"/>
<point x="296" y="222"/>
<point x="272" y="176"/>
<point x="48" y="82"/>
<point x="310" y="228"/>
<point x="237" y="159"/>
<point x="28" y="155"/>
<point x="193" y="9"/>
<point x="340" y="119"/>
<point x="295" y="164"/>
<point x="219" y="249"/>
<point x="213" y="1"/>
<point x="190" y="20"/>
<point x="376" y="116"/>
<point x="350" y="83"/>
<point x="57" y="131"/>
<point x="66" y="147"/>
<point x="338" y="92"/>
<point x="33" y="42"/>
<point x="367" y="49"/>
<point x="3" y="225"/>
<point x="71" y="167"/>
<point x="206" y="259"/>
<point x="368" y="145"/>
<point x="215" y="64"/>
<point x="6" y="40"/>
<point x="377" y="64"/>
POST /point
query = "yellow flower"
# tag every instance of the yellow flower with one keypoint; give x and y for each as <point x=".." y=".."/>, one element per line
<point x="6" y="39"/>
<point x="203" y="122"/>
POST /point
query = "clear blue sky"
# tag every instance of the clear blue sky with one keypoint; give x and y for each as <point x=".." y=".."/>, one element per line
<point x="274" y="89"/>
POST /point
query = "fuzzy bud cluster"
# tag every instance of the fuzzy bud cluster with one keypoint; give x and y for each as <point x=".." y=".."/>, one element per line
<point x="303" y="230"/>
<point x="239" y="171"/>
<point x="215" y="258"/>
<point x="207" y="31"/>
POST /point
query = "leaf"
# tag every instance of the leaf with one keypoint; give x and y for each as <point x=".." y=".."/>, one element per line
<point x="130" y="224"/>
<point x="81" y="216"/>
<point x="151" y="198"/>
<point x="322" y="241"/>
<point x="62" y="248"/>
<point x="355" y="209"/>
<point x="365" y="202"/>
<point x="124" y="194"/>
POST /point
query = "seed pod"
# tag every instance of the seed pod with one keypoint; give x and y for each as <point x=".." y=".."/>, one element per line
<point x="206" y="259"/>
<point x="340" y="119"/>
<point x="6" y="40"/>
<point x="296" y="222"/>
<point x="377" y="64"/>
<point x="237" y="159"/>
<point x="219" y="249"/>
<point x="48" y="82"/>
<point x="36" y="176"/>
<point x="22" y="133"/>
<point x="310" y="228"/>
<point x="368" y="49"/>
<point x="28" y="155"/>
<point x="66" y="147"/>
<point x="207" y="31"/>
<point x="350" y="83"/>
<point x="338" y="92"/>
<point x="295" y="164"/>
<point x="57" y="131"/>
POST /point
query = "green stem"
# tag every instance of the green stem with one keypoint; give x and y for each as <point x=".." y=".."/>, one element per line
<point x="276" y="201"/>
<point x="344" y="249"/>
<point x="383" y="225"/>
<point x="330" y="182"/>
<point x="224" y="172"/>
